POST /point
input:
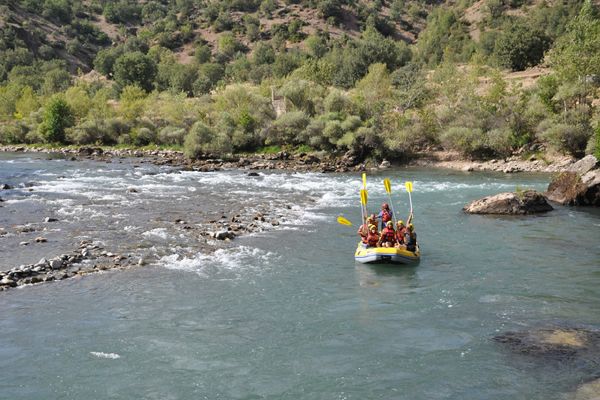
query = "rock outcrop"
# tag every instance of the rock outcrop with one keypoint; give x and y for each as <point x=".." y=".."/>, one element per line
<point x="579" y="185"/>
<point x="521" y="203"/>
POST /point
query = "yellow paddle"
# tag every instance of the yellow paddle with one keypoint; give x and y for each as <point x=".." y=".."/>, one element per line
<point x="364" y="198"/>
<point x="388" y="189"/>
<point x="343" y="221"/>
<point x="409" y="188"/>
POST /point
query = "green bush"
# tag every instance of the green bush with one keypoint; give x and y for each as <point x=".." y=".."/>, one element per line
<point x="568" y="138"/>
<point x="594" y="143"/>
<point x="99" y="132"/>
<point x="57" y="118"/>
<point x="287" y="129"/>
<point x="135" y="68"/>
<point x="15" y="133"/>
<point x="143" y="136"/>
<point x="171" y="135"/>
<point x="521" y="46"/>
<point x="201" y="140"/>
<point x="467" y="141"/>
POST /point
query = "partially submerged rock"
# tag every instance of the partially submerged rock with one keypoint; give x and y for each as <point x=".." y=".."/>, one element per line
<point x="521" y="203"/>
<point x="556" y="343"/>
<point x="579" y="186"/>
<point x="588" y="391"/>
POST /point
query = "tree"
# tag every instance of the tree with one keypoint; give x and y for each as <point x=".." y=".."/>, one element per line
<point x="135" y="69"/>
<point x="520" y="46"/>
<point x="576" y="55"/>
<point x="57" y="117"/>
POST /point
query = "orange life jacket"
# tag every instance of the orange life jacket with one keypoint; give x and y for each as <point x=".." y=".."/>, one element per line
<point x="372" y="239"/>
<point x="386" y="215"/>
<point x="388" y="235"/>
<point x="400" y="234"/>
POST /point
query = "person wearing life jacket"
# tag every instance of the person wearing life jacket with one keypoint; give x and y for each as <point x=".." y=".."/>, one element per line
<point x="400" y="232"/>
<point x="388" y="235"/>
<point x="385" y="214"/>
<point x="410" y="238"/>
<point x="373" y="236"/>
<point x="363" y="231"/>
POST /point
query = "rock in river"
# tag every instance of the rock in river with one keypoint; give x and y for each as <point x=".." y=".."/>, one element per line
<point x="556" y="344"/>
<point x="579" y="186"/>
<point x="527" y="202"/>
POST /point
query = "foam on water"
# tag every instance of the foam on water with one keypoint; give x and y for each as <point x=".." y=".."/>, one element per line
<point x="99" y="354"/>
<point x="230" y="259"/>
<point x="157" y="233"/>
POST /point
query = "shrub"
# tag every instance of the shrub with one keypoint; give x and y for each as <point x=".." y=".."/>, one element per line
<point x="143" y="136"/>
<point x="15" y="133"/>
<point x="521" y="46"/>
<point x="500" y="141"/>
<point x="467" y="141"/>
<point x="135" y="68"/>
<point x="201" y="139"/>
<point x="568" y="138"/>
<point x="287" y="129"/>
<point x="94" y="132"/>
<point x="171" y="135"/>
<point x="57" y="117"/>
<point x="593" y="146"/>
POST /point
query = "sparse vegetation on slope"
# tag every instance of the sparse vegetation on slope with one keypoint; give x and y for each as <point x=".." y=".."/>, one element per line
<point x="381" y="78"/>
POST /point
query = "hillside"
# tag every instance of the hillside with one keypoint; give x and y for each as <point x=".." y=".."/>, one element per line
<point x="378" y="78"/>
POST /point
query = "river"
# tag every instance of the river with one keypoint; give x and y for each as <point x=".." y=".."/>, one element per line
<point x="285" y="313"/>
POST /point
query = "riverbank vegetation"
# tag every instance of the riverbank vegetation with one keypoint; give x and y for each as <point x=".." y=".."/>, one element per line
<point x="382" y="79"/>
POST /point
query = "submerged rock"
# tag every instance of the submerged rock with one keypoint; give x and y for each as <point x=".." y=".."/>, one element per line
<point x="588" y="391"/>
<point x="555" y="343"/>
<point x="527" y="202"/>
<point x="579" y="186"/>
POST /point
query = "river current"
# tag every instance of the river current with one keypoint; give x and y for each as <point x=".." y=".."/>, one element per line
<point x="285" y="313"/>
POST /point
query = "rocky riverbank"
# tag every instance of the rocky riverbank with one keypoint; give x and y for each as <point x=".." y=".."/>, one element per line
<point x="298" y="162"/>
<point x="520" y="162"/>
<point x="315" y="161"/>
<point x="88" y="259"/>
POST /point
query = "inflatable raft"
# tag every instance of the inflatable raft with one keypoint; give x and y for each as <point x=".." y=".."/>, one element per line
<point x="381" y="255"/>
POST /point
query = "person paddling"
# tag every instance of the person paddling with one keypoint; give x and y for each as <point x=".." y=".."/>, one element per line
<point x="385" y="214"/>
<point x="410" y="238"/>
<point x="388" y="235"/>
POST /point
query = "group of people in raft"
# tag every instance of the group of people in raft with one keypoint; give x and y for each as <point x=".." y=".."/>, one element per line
<point x="403" y="237"/>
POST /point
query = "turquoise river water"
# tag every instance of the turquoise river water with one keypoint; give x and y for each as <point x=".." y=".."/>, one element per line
<point x="286" y="313"/>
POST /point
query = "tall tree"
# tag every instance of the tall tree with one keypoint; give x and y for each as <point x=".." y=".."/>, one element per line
<point x="576" y="55"/>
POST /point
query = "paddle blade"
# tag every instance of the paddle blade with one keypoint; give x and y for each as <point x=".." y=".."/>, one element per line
<point x="388" y="185"/>
<point x="343" y="221"/>
<point x="364" y="178"/>
<point x="409" y="186"/>
<point x="363" y="197"/>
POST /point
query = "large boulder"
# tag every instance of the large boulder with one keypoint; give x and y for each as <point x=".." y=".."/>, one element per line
<point x="579" y="185"/>
<point x="527" y="202"/>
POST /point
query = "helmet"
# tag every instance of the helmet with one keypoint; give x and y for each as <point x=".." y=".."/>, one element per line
<point x="389" y="223"/>
<point x="371" y="227"/>
<point x="400" y="222"/>
<point x="411" y="227"/>
<point x="385" y="205"/>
